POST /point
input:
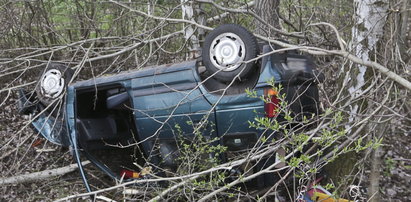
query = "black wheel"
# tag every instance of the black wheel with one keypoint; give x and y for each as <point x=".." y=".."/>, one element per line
<point x="53" y="82"/>
<point x="225" y="50"/>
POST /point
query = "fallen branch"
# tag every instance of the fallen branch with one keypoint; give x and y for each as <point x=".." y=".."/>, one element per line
<point x="165" y="192"/>
<point x="40" y="175"/>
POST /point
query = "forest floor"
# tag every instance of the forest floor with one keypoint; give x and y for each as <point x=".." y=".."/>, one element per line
<point x="396" y="167"/>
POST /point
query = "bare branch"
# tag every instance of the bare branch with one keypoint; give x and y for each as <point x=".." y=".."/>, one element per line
<point x="42" y="175"/>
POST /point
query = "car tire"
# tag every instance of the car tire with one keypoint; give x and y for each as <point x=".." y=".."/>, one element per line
<point x="225" y="50"/>
<point x="53" y="82"/>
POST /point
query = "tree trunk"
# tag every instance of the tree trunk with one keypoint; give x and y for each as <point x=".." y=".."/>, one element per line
<point x="405" y="28"/>
<point x="192" y="11"/>
<point x="375" y="174"/>
<point x="370" y="19"/>
<point x="268" y="10"/>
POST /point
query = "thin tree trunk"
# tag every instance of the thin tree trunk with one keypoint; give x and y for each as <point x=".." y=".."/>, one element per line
<point x="370" y="17"/>
<point x="375" y="175"/>
<point x="404" y="28"/>
<point x="268" y="10"/>
<point x="192" y="11"/>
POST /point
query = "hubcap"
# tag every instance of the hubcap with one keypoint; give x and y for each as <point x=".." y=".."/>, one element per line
<point x="227" y="51"/>
<point x="52" y="83"/>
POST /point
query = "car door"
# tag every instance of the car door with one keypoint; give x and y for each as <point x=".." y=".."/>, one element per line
<point x="235" y="111"/>
<point x="168" y="104"/>
<point x="233" y="114"/>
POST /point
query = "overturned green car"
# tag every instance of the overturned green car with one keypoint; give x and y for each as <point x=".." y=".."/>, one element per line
<point x="135" y="119"/>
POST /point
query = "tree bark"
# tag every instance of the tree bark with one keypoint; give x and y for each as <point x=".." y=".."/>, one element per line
<point x="192" y="11"/>
<point x="268" y="10"/>
<point x="369" y="22"/>
<point x="370" y="19"/>
<point x="405" y="28"/>
<point x="31" y="177"/>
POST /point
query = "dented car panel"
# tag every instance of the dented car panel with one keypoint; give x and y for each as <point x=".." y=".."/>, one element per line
<point x="50" y="127"/>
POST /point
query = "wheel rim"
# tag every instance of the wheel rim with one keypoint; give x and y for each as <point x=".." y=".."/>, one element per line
<point x="227" y="51"/>
<point x="52" y="84"/>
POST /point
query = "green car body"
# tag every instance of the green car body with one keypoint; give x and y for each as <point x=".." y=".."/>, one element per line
<point x="153" y="106"/>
